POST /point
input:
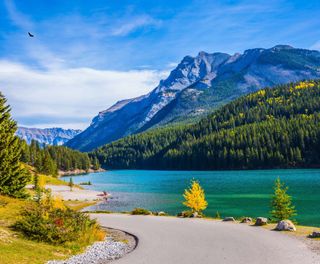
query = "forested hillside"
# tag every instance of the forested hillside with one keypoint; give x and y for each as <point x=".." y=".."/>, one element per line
<point x="272" y="128"/>
<point x="50" y="159"/>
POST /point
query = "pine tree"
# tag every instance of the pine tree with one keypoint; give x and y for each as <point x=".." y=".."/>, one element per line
<point x="281" y="202"/>
<point x="96" y="164"/>
<point x="49" y="166"/>
<point x="71" y="184"/>
<point x="13" y="178"/>
<point x="195" y="197"/>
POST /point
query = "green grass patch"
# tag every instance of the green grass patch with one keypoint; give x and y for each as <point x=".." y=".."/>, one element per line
<point x="17" y="248"/>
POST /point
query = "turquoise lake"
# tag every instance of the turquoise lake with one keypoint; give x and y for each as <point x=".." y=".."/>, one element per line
<point x="231" y="193"/>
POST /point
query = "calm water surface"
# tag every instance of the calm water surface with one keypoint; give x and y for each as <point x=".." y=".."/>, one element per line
<point x="232" y="193"/>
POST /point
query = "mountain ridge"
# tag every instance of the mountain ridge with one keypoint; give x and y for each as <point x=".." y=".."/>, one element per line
<point x="271" y="128"/>
<point x="50" y="136"/>
<point x="197" y="86"/>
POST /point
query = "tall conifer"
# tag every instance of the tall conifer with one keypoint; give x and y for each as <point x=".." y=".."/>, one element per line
<point x="13" y="178"/>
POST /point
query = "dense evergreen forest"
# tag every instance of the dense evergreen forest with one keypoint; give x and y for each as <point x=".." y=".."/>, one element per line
<point x="272" y="128"/>
<point x="50" y="159"/>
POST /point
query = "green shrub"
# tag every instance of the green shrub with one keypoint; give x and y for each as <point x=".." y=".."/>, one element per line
<point x="140" y="211"/>
<point x="57" y="225"/>
<point x="217" y="216"/>
<point x="185" y="214"/>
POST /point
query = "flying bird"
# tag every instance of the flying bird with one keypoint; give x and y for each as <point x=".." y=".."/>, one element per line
<point x="30" y="35"/>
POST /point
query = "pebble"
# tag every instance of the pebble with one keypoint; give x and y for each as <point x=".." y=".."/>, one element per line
<point x="97" y="253"/>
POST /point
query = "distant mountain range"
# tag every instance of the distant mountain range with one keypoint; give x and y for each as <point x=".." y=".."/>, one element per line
<point x="48" y="136"/>
<point x="197" y="86"/>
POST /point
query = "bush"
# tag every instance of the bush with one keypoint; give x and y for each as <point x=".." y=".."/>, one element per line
<point x="185" y="214"/>
<point x="50" y="222"/>
<point x="140" y="211"/>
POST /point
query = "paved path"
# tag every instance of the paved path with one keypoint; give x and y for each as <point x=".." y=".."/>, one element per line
<point x="168" y="240"/>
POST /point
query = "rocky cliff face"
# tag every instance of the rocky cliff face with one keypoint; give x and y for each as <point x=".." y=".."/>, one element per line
<point x="48" y="136"/>
<point x="197" y="86"/>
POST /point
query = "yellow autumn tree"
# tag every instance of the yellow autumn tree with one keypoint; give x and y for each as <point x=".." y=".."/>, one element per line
<point x="195" y="198"/>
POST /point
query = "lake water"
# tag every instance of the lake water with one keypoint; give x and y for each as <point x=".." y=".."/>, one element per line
<point x="232" y="193"/>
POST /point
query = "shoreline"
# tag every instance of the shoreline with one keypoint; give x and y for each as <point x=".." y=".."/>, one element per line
<point x="76" y="194"/>
<point x="78" y="172"/>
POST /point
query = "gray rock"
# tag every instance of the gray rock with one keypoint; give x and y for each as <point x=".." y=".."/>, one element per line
<point x="285" y="225"/>
<point x="261" y="221"/>
<point x="229" y="219"/>
<point x="161" y="213"/>
<point x="315" y="234"/>
<point x="195" y="215"/>
<point x="246" y="220"/>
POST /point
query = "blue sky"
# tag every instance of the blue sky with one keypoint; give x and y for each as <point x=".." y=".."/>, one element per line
<point x="88" y="54"/>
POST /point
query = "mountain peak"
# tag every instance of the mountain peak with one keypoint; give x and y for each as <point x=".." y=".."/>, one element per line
<point x="48" y="136"/>
<point x="197" y="86"/>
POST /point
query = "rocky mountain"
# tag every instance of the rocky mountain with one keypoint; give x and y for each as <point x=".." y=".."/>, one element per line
<point x="48" y="136"/>
<point x="197" y="86"/>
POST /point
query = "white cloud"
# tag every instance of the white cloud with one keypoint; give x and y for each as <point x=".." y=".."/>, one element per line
<point x="133" y="24"/>
<point x="69" y="97"/>
<point x="316" y="46"/>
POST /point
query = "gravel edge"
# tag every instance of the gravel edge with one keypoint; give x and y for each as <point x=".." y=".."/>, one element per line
<point x="117" y="244"/>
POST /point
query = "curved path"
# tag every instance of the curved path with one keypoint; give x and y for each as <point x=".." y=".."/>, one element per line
<point x="168" y="240"/>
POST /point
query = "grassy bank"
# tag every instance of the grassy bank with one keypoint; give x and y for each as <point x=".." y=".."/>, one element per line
<point x="15" y="248"/>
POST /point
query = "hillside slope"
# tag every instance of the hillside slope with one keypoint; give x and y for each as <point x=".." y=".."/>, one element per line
<point x="271" y="128"/>
<point x="196" y="87"/>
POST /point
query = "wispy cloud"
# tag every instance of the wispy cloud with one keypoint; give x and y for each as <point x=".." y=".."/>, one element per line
<point x="64" y="96"/>
<point x="18" y="18"/>
<point x="135" y="23"/>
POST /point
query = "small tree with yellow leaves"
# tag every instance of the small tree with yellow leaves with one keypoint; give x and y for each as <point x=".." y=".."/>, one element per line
<point x="195" y="198"/>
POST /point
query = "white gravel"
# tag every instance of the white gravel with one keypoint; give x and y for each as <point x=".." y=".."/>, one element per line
<point x="98" y="253"/>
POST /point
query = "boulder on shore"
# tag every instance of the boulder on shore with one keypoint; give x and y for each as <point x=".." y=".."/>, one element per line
<point x="196" y="215"/>
<point x="315" y="234"/>
<point x="229" y="219"/>
<point x="246" y="220"/>
<point x="285" y="225"/>
<point x="261" y="221"/>
<point x="161" y="213"/>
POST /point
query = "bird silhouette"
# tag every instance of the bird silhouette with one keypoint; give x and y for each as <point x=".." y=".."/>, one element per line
<point x="30" y="35"/>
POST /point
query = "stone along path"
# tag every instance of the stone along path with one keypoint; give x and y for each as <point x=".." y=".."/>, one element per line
<point x="173" y="240"/>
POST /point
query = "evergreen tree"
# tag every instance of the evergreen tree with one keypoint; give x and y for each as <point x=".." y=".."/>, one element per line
<point x="95" y="164"/>
<point x="49" y="166"/>
<point x="281" y="202"/>
<point x="13" y="178"/>
<point x="71" y="184"/>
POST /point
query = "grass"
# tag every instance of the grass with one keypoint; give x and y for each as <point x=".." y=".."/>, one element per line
<point x="15" y="248"/>
<point x="302" y="231"/>
<point x="78" y="205"/>
<point x="49" y="180"/>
